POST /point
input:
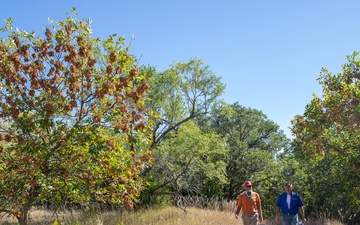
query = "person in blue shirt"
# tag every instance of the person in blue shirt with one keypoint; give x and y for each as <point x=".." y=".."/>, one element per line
<point x="289" y="204"/>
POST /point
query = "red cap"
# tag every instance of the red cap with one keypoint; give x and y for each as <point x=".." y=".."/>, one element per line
<point x="247" y="183"/>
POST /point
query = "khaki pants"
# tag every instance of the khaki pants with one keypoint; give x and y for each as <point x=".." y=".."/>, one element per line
<point x="250" y="218"/>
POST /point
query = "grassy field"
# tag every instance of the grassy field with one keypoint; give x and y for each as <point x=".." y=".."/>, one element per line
<point x="160" y="216"/>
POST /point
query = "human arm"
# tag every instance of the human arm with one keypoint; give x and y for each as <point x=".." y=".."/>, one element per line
<point x="259" y="210"/>
<point x="261" y="219"/>
<point x="277" y="213"/>
<point x="302" y="213"/>
<point x="237" y="211"/>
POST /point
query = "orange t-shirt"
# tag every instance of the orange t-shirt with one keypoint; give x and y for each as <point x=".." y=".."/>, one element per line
<point x="249" y="205"/>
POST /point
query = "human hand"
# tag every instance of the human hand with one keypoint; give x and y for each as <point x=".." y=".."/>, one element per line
<point x="277" y="218"/>
<point x="236" y="215"/>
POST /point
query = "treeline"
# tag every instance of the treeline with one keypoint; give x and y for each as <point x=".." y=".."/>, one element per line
<point x="211" y="148"/>
<point x="82" y="122"/>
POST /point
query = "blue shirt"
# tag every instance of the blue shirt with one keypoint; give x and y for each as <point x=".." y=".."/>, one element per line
<point x="295" y="203"/>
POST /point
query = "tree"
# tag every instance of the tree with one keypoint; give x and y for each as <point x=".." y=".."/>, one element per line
<point x="254" y="143"/>
<point x="69" y="105"/>
<point x="183" y="92"/>
<point x="189" y="162"/>
<point x="329" y="127"/>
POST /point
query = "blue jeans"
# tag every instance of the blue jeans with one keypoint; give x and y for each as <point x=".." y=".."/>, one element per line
<point x="290" y="220"/>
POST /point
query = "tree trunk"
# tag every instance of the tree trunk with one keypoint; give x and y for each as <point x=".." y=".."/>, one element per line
<point x="23" y="217"/>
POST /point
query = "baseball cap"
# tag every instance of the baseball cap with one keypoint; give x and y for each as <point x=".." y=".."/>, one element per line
<point x="247" y="183"/>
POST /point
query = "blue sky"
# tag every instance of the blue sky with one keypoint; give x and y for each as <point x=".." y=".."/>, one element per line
<point x="268" y="53"/>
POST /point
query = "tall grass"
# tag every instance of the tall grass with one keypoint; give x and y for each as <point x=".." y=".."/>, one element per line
<point x="190" y="211"/>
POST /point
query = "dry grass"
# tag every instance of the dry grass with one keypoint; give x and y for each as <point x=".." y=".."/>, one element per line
<point x="41" y="216"/>
<point x="176" y="216"/>
<point x="160" y="216"/>
<point x="193" y="216"/>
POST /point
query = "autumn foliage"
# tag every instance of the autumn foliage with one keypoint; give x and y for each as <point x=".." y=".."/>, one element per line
<point x="330" y="125"/>
<point x="71" y="107"/>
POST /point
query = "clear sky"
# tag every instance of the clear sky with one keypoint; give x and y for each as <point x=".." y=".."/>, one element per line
<point x="268" y="53"/>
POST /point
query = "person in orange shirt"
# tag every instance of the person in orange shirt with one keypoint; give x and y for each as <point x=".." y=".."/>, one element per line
<point x="250" y="204"/>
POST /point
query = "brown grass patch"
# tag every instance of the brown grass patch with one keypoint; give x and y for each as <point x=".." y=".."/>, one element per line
<point x="154" y="216"/>
<point x="42" y="217"/>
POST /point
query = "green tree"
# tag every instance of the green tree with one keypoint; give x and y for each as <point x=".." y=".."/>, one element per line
<point x="189" y="162"/>
<point x="254" y="143"/>
<point x="183" y="92"/>
<point x="326" y="196"/>
<point x="68" y="103"/>
<point x="329" y="127"/>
